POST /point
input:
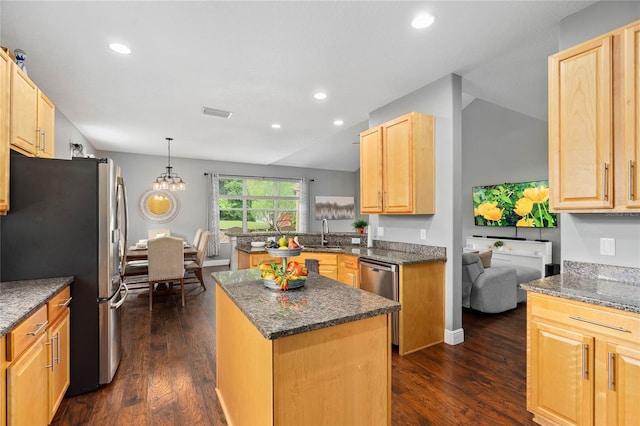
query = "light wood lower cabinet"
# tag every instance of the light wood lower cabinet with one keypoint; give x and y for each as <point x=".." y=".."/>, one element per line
<point x="327" y="262"/>
<point x="3" y="381"/>
<point x="58" y="339"/>
<point x="38" y="364"/>
<point x="583" y="363"/>
<point x="348" y="270"/>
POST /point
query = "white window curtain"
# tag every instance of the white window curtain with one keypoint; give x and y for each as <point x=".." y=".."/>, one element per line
<point x="304" y="205"/>
<point x="213" y="214"/>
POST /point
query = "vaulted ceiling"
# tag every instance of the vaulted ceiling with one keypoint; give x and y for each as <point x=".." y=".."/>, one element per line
<point x="264" y="60"/>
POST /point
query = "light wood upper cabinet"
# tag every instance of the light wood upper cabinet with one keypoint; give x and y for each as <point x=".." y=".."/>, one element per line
<point x="593" y="124"/>
<point x="397" y="167"/>
<point x="5" y="108"/>
<point x="32" y="117"/>
<point x="632" y="114"/>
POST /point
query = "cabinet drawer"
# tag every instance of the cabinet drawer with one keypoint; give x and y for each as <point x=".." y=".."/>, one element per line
<point x="58" y="305"/>
<point x="26" y="333"/>
<point x="348" y="262"/>
<point x="264" y="258"/>
<point x="323" y="258"/>
<point x="597" y="320"/>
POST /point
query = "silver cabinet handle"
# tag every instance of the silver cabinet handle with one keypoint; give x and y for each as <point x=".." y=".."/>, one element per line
<point x="630" y="180"/>
<point x="44" y="141"/>
<point x="585" y="374"/>
<point x="378" y="198"/>
<point x="66" y="302"/>
<point x="41" y="327"/>
<point x="53" y="355"/>
<point x="605" y="169"/>
<point x="601" y="324"/>
<point x="610" y="365"/>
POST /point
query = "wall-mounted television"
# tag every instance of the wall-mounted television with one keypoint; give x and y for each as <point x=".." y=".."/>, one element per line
<point x="522" y="204"/>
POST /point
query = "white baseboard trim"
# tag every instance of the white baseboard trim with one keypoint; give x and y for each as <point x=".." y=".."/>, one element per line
<point x="216" y="262"/>
<point x="454" y="337"/>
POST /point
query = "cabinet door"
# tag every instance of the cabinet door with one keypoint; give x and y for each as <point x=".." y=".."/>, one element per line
<point x="632" y="111"/>
<point x="398" y="166"/>
<point x="46" y="126"/>
<point x="623" y="385"/>
<point x="580" y="127"/>
<point x="5" y="106"/>
<point x="58" y="336"/>
<point x="27" y="387"/>
<point x="371" y="171"/>
<point x="348" y="270"/>
<point x="560" y="375"/>
<point x="24" y="104"/>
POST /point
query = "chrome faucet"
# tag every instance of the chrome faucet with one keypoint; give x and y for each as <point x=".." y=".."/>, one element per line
<point x="325" y="230"/>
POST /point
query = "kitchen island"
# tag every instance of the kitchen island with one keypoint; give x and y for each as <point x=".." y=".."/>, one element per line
<point x="320" y="354"/>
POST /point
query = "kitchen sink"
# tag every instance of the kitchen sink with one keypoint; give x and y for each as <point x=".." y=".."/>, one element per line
<point x="325" y="248"/>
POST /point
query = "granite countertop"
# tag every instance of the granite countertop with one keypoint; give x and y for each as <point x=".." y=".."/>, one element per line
<point x="321" y="302"/>
<point x="19" y="299"/>
<point x="613" y="294"/>
<point x="381" y="254"/>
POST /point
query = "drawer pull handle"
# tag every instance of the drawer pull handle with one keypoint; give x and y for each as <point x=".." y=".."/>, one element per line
<point x="65" y="303"/>
<point x="41" y="327"/>
<point x="610" y="365"/>
<point x="585" y="373"/>
<point x="601" y="324"/>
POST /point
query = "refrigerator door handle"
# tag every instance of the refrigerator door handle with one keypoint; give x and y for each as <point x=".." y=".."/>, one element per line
<point x="124" y="287"/>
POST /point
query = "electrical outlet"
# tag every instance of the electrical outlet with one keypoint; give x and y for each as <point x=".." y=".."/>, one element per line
<point x="608" y="246"/>
<point x="423" y="234"/>
<point x="355" y="241"/>
<point x="271" y="238"/>
<point x="380" y="232"/>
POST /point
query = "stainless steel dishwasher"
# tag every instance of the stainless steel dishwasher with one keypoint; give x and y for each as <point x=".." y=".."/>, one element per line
<point x="382" y="278"/>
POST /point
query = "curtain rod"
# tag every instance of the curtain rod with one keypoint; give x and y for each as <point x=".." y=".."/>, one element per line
<point x="257" y="177"/>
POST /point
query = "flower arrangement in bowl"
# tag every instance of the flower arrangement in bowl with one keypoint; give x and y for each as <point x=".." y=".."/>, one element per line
<point x="359" y="225"/>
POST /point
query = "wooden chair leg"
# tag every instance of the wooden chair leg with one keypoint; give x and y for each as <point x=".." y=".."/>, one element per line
<point x="182" y="290"/>
<point x="200" y="278"/>
<point x="150" y="296"/>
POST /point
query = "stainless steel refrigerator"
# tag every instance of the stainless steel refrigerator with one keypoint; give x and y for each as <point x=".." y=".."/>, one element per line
<point x="68" y="218"/>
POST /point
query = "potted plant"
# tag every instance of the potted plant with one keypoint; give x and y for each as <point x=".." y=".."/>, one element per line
<point x="359" y="225"/>
<point x="498" y="244"/>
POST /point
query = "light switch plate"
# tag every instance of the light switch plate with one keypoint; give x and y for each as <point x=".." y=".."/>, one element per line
<point x="423" y="234"/>
<point x="380" y="232"/>
<point x="608" y="246"/>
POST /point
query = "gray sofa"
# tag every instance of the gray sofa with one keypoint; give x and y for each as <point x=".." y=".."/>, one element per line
<point x="494" y="289"/>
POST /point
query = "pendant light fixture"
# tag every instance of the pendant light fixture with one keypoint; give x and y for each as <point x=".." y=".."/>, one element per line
<point x="169" y="180"/>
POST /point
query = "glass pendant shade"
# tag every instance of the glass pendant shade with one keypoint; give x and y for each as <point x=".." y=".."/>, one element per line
<point x="169" y="180"/>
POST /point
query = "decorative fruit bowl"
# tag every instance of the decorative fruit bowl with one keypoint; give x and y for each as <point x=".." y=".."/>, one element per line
<point x="284" y="252"/>
<point x="289" y="276"/>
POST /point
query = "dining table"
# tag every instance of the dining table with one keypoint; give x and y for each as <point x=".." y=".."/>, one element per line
<point x="138" y="253"/>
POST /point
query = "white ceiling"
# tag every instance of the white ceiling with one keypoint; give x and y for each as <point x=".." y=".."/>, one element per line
<point x="264" y="60"/>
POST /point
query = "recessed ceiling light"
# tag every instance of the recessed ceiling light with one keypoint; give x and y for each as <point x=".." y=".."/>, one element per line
<point x="338" y="122"/>
<point x="422" y="21"/>
<point x="275" y="126"/>
<point x="320" y="96"/>
<point x="120" y="48"/>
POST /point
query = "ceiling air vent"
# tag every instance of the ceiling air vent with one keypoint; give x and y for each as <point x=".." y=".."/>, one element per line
<point x="216" y="112"/>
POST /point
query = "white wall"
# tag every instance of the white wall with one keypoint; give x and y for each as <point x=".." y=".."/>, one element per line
<point x="66" y="134"/>
<point x="581" y="233"/>
<point x="442" y="99"/>
<point x="500" y="145"/>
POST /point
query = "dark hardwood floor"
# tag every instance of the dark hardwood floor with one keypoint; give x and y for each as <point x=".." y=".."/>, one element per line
<point x="167" y="373"/>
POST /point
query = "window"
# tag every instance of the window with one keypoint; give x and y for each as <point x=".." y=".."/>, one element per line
<point x="250" y="204"/>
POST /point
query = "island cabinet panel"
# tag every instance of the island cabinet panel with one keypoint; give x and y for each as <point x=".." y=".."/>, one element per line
<point x="583" y="363"/>
<point x="244" y="362"/>
<point x="422" y="298"/>
<point x="3" y="381"/>
<point x="323" y="374"/>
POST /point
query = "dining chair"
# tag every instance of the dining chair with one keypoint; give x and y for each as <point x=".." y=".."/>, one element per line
<point x="166" y="263"/>
<point x="155" y="232"/>
<point x="133" y="272"/>
<point x="196" y="239"/>
<point x="195" y="266"/>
